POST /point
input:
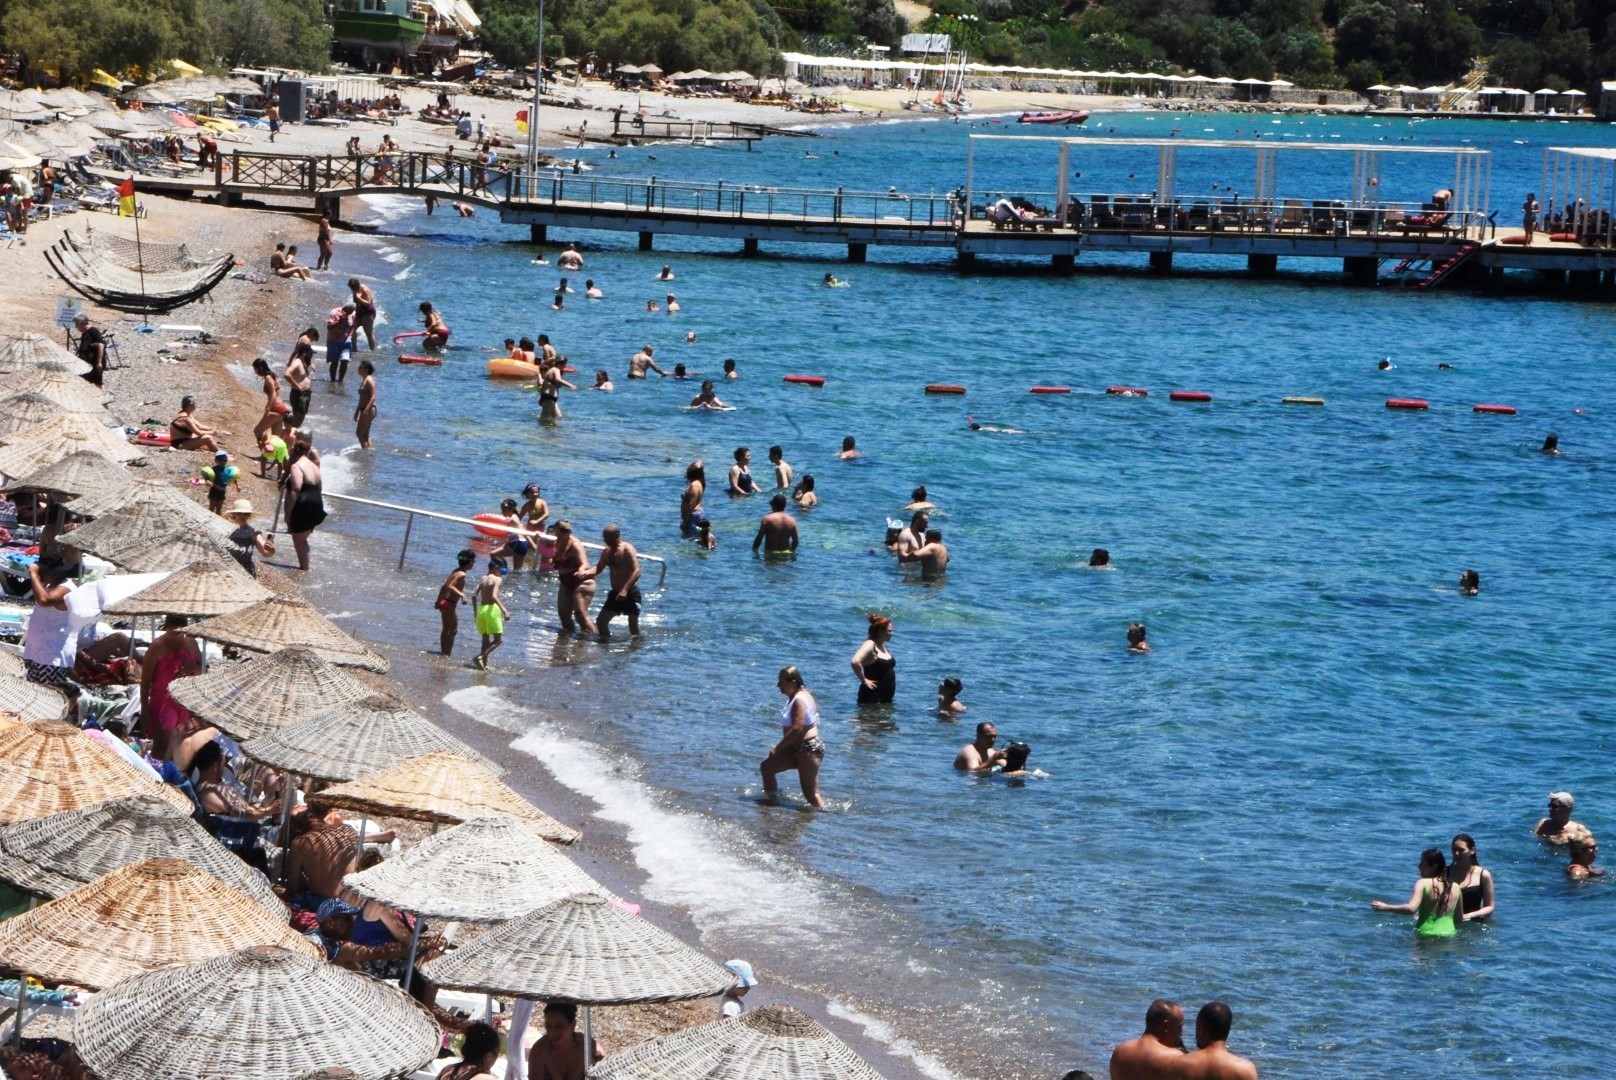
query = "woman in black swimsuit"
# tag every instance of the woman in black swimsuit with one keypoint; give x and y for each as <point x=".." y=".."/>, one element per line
<point x="305" y="506"/>
<point x="1474" y="880"/>
<point x="575" y="580"/>
<point x="875" y="667"/>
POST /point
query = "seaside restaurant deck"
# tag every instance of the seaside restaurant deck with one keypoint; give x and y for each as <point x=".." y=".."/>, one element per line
<point x="1262" y="219"/>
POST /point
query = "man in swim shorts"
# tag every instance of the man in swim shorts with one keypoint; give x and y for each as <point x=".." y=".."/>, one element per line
<point x="740" y="473"/>
<point x="782" y="468"/>
<point x="640" y="361"/>
<point x="1159" y="1052"/>
<point x="623" y="563"/>
<point x="777" y="532"/>
<point x="978" y="755"/>
<point x="1212" y="1060"/>
<point x="491" y="611"/>
<point x="339" y="328"/>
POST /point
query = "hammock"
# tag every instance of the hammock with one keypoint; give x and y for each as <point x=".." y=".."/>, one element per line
<point x="108" y="270"/>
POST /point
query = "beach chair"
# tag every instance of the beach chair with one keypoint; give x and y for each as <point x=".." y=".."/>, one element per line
<point x="1292" y="218"/>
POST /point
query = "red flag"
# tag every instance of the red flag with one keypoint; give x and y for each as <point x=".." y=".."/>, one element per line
<point x="126" y="198"/>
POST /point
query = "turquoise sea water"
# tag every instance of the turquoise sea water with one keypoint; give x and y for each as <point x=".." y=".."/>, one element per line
<point x="1320" y="706"/>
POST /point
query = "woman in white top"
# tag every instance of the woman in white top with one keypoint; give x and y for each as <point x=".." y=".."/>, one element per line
<point x="800" y="747"/>
<point x="51" y="645"/>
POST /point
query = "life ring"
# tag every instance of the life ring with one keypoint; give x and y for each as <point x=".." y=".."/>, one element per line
<point x="1501" y="410"/>
<point x="492" y="519"/>
<point x="1407" y="403"/>
<point x="806" y="380"/>
<point x="407" y="358"/>
<point x="1127" y="391"/>
<point x="152" y="438"/>
<point x="504" y="367"/>
<point x="1052" y="389"/>
<point x="944" y="388"/>
<point x="1302" y="401"/>
<point x="1189" y="395"/>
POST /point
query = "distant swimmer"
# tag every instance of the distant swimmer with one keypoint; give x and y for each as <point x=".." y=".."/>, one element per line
<point x="673" y="304"/>
<point x="782" y="468"/>
<point x="932" y="556"/>
<point x="777" y="531"/>
<point x="918" y="500"/>
<point x="1100" y="560"/>
<point x="563" y="286"/>
<point x="992" y="428"/>
<point x="559" y="303"/>
<point x="690" y="337"/>
<point x="1213" y="1060"/>
<point x="978" y="755"/>
<point x="1435" y="902"/>
<point x="740" y="473"/>
<point x="803" y="494"/>
<point x="1385" y="363"/>
<point x="592" y="291"/>
<point x="1558" y="828"/>
<point x="1014" y="766"/>
<point x="603" y="381"/>
<point x="665" y="274"/>
<point x="651" y="306"/>
<point x="1136" y="638"/>
<point x="679" y="372"/>
<point x="1584" y="850"/>
<point x="1551" y="444"/>
<point x="707" y="399"/>
<point x="849" y="449"/>
<point x="570" y="259"/>
<point x="640" y="362"/>
<point x="540" y="260"/>
<point x="1469" y="583"/>
<point x="464" y="209"/>
<point x="729" y="370"/>
<point x="831" y="282"/>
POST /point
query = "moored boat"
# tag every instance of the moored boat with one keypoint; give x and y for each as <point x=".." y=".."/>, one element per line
<point x="1069" y="116"/>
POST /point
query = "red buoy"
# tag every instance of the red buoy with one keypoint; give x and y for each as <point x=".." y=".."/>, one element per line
<point x="1127" y="391"/>
<point x="1501" y="410"/>
<point x="806" y="380"/>
<point x="1052" y="389"/>
<point x="1189" y="395"/>
<point x="944" y="388"/>
<point x="1407" y="403"/>
<point x="407" y="358"/>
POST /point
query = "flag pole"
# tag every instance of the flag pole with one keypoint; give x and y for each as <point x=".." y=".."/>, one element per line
<point x="533" y="118"/>
<point x="140" y="256"/>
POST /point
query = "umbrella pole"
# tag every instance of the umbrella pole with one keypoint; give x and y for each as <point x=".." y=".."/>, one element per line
<point x="359" y="849"/>
<point x="22" y="1000"/>
<point x="589" y="1040"/>
<point x="415" y="941"/>
<point x="286" y="824"/>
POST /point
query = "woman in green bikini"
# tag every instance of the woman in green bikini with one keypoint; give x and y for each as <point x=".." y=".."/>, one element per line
<point x="1435" y="902"/>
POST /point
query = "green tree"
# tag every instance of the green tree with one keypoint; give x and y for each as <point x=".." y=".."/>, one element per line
<point x="713" y="34"/>
<point x="258" y="33"/>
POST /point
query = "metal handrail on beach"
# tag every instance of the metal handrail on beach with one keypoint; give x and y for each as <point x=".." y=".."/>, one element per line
<point x="415" y="511"/>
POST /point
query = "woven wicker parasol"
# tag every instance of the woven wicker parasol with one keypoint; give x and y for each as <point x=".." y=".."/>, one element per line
<point x="52" y="856"/>
<point x="581" y="949"/>
<point x="205" y="588"/>
<point x="166" y="551"/>
<point x="30" y="701"/>
<point x="253" y="699"/>
<point x="356" y="739"/>
<point x="335" y="1072"/>
<point x="60" y="384"/>
<point x="49" y="442"/>
<point x="24" y="352"/>
<point x="776" y="1042"/>
<point x="283" y="620"/>
<point x="51" y="767"/>
<point x="146" y="916"/>
<point x="146" y="510"/>
<point x="11" y="664"/>
<point x="20" y="412"/>
<point x="443" y="787"/>
<point x="259" y="1014"/>
<point x="76" y="474"/>
<point x="483" y="871"/>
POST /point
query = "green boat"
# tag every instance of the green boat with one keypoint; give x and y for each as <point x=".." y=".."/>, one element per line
<point x="381" y="28"/>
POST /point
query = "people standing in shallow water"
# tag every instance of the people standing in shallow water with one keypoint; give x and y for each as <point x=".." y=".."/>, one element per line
<point x="777" y="531"/>
<point x="740" y="473"/>
<point x="1469" y="583"/>
<point x="1159" y="1052"/>
<point x="437" y="332"/>
<point x="978" y="755"/>
<point x="451" y="594"/>
<point x="1435" y="902"/>
<point x="803" y="494"/>
<point x="1136" y="638"/>
<point x="874" y="664"/>
<point x="365" y="411"/>
<point x="622" y="563"/>
<point x="1212" y="1059"/>
<point x="800" y="747"/>
<point x="575" y="580"/>
<point x="691" y="515"/>
<point x="490" y="610"/>
<point x="948" y="692"/>
<point x="1474" y="880"/>
<point x="1584" y="850"/>
<point x="1558" y="828"/>
<point x="305" y="505"/>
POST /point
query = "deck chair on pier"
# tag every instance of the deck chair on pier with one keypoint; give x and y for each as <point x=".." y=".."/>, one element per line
<point x="1292" y="218"/>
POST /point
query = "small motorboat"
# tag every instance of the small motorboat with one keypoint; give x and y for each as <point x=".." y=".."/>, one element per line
<point x="1070" y="116"/>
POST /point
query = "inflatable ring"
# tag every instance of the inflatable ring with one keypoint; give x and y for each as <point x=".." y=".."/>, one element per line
<point x="944" y="388"/>
<point x="1127" y="391"/>
<point x="806" y="380"/>
<point x="504" y="367"/>
<point x="492" y="519"/>
<point x="1052" y="389"/>
<point x="1189" y="395"/>
<point x="406" y="358"/>
<point x="1302" y="401"/>
<point x="1500" y="410"/>
<point x="152" y="438"/>
<point x="1407" y="403"/>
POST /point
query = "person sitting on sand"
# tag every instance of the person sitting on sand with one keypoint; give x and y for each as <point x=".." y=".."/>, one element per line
<point x="731" y="1004"/>
<point x="283" y="264"/>
<point x="437" y="332"/>
<point x="321" y="853"/>
<point x="707" y="399"/>
<point x="948" y="692"/>
<point x="559" y="1053"/>
<point x="1558" y="828"/>
<point x="1584" y="850"/>
<point x="186" y="432"/>
<point x="978" y="755"/>
<point x="1159" y="1052"/>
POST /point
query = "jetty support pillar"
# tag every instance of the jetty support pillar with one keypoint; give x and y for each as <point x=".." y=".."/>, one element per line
<point x="857" y="253"/>
<point x="330" y="204"/>
<point x="645" y="241"/>
<point x="1262" y="265"/>
<point x="966" y="260"/>
<point x="1161" y="262"/>
<point x="1361" y="268"/>
<point x="1063" y="264"/>
<point x="1584" y="280"/>
<point x="749" y="246"/>
<point x="538" y="234"/>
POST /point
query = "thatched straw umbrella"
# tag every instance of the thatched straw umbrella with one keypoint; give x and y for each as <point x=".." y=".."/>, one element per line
<point x="443" y="787"/>
<point x="25" y="352"/>
<point x="51" y="767"/>
<point x="356" y="739"/>
<point x="203" y="589"/>
<point x="28" y="700"/>
<point x="164" y="552"/>
<point x="59" y="383"/>
<point x="11" y="664"/>
<point x="281" y="621"/>
<point x="52" y="856"/>
<point x="137" y="519"/>
<point x="250" y="700"/>
<point x="259" y="1014"/>
<point x="49" y="442"/>
<point x="76" y="474"/>
<point x="776" y="1042"/>
<point x="20" y="412"/>
<point x="142" y="917"/>
<point x="151" y="508"/>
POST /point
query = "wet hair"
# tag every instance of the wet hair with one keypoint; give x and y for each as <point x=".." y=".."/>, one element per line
<point x="425" y="308"/>
<point x="847" y="442"/>
<point x="564" y="1009"/>
<point x="1216" y="1018"/>
<point x="1015" y="756"/>
<point x="777" y="503"/>
<point x="1136" y="633"/>
<point x="544" y="339"/>
<point x="261" y="366"/>
<point x="510" y="342"/>
<point x="601" y="375"/>
<point x="353" y="283"/>
<point x="919" y="494"/>
<point x="366" y="368"/>
<point x="920" y="520"/>
<point x="880" y="622"/>
<point x="806" y="482"/>
<point x="507" y="505"/>
<point x="1469" y="581"/>
<point x="951" y="684"/>
<point x="679" y="371"/>
<point x="790" y="674"/>
<point x="1469" y="841"/>
<point x="466" y="557"/>
<point x="207" y="756"/>
<point x="740" y="451"/>
<point x="1160" y="1012"/>
<point x="496" y="563"/>
<point x="933" y="535"/>
<point x="696" y="471"/>
<point x="1101" y="557"/>
<point x="527" y="344"/>
<point x="729" y="365"/>
<point x="706" y="385"/>
<point x="589" y="283"/>
<point x="982" y="728"/>
<point x="1551" y="441"/>
<point x="1385" y="363"/>
<point x="304" y="351"/>
<point x="480" y="1040"/>
<point x="1433" y="857"/>
<point x="776" y="452"/>
<point x="560" y="300"/>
